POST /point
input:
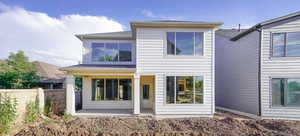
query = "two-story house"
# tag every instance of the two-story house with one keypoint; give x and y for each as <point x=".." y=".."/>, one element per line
<point x="160" y="67"/>
<point x="258" y="69"/>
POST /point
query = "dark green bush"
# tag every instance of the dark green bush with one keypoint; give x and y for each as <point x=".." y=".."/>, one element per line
<point x="8" y="113"/>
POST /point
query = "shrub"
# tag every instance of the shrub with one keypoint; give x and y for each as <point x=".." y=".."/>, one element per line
<point x="47" y="121"/>
<point x="32" y="112"/>
<point x="48" y="106"/>
<point x="8" y="113"/>
<point x="66" y="117"/>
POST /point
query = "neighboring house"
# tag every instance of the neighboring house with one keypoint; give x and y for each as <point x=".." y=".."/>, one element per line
<point x="258" y="69"/>
<point x="52" y="77"/>
<point x="161" y="67"/>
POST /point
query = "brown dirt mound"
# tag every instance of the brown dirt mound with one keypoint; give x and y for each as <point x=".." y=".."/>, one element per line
<point x="147" y="126"/>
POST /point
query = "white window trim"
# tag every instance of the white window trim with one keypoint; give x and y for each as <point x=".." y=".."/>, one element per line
<point x="90" y="57"/>
<point x="183" y="56"/>
<point x="176" y="104"/>
<point x="285" y="46"/>
<point x="271" y="93"/>
<point x="104" y="99"/>
<point x="118" y="48"/>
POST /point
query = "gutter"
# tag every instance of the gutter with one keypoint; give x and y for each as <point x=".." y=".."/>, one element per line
<point x="254" y="28"/>
<point x="97" y="69"/>
<point x="259" y="72"/>
<point x="83" y="37"/>
<point x="259" y="25"/>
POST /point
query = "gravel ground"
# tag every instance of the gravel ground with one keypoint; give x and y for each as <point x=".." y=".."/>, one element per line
<point x="147" y="126"/>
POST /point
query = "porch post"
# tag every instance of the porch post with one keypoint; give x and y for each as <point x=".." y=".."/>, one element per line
<point x="136" y="94"/>
<point x="70" y="94"/>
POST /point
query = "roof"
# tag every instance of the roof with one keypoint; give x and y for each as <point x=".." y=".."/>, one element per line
<point x="174" y="23"/>
<point x="129" y="35"/>
<point x="2" y="61"/>
<point x="49" y="72"/>
<point x="100" y="67"/>
<point x="259" y="25"/>
<point x="229" y="33"/>
<point x="126" y="35"/>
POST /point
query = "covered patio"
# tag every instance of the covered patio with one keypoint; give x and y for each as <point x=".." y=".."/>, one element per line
<point x="104" y="92"/>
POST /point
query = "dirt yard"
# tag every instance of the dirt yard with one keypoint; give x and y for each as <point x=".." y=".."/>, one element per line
<point x="148" y="126"/>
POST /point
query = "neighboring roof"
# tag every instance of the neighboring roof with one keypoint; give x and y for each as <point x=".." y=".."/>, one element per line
<point x="174" y="23"/>
<point x="100" y="67"/>
<point x="259" y="25"/>
<point x="229" y="33"/>
<point x="2" y="61"/>
<point x="49" y="72"/>
<point x="125" y="35"/>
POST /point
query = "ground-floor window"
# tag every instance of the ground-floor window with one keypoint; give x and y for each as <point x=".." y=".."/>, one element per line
<point x="111" y="89"/>
<point x="146" y="92"/>
<point x="184" y="90"/>
<point x="286" y="92"/>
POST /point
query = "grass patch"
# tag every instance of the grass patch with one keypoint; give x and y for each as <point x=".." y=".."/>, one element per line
<point x="48" y="109"/>
<point x="32" y="112"/>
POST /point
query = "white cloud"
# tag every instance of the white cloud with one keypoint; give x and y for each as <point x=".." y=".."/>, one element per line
<point x="150" y="14"/>
<point x="46" y="38"/>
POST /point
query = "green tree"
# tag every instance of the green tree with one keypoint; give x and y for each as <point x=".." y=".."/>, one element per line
<point x="18" y="72"/>
<point x="78" y="83"/>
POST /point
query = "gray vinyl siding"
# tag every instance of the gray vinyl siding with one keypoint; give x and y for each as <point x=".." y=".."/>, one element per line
<point x="87" y="51"/>
<point x="272" y="67"/>
<point x="152" y="60"/>
<point x="237" y="65"/>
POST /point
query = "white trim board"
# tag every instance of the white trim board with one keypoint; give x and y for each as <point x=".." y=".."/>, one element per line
<point x="253" y="116"/>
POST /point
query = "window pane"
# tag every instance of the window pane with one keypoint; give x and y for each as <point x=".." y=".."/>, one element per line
<point x="170" y="43"/>
<point x="184" y="89"/>
<point x="111" y="89"/>
<point x="98" y="89"/>
<point x="184" y="43"/>
<point x="199" y="43"/>
<point x="199" y="89"/>
<point x="170" y="89"/>
<point x="277" y="92"/>
<point x="146" y="89"/>
<point x="125" y="89"/>
<point x="293" y="92"/>
<point x="278" y="44"/>
<point x="293" y="44"/>
<point x="111" y="52"/>
<point x="125" y="51"/>
<point x="98" y="51"/>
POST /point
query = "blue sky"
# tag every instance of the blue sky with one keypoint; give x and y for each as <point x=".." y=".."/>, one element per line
<point x="44" y="29"/>
<point x="231" y="12"/>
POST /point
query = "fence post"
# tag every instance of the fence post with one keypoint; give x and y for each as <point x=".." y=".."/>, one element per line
<point x="70" y="94"/>
<point x="41" y="99"/>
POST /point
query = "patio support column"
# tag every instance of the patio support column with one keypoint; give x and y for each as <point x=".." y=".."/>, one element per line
<point x="136" y="95"/>
<point x="70" y="94"/>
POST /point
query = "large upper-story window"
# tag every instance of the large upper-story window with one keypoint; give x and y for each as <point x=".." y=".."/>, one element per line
<point x="286" y="44"/>
<point x="107" y="52"/>
<point x="185" y="43"/>
<point x="286" y="92"/>
<point x="184" y="90"/>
